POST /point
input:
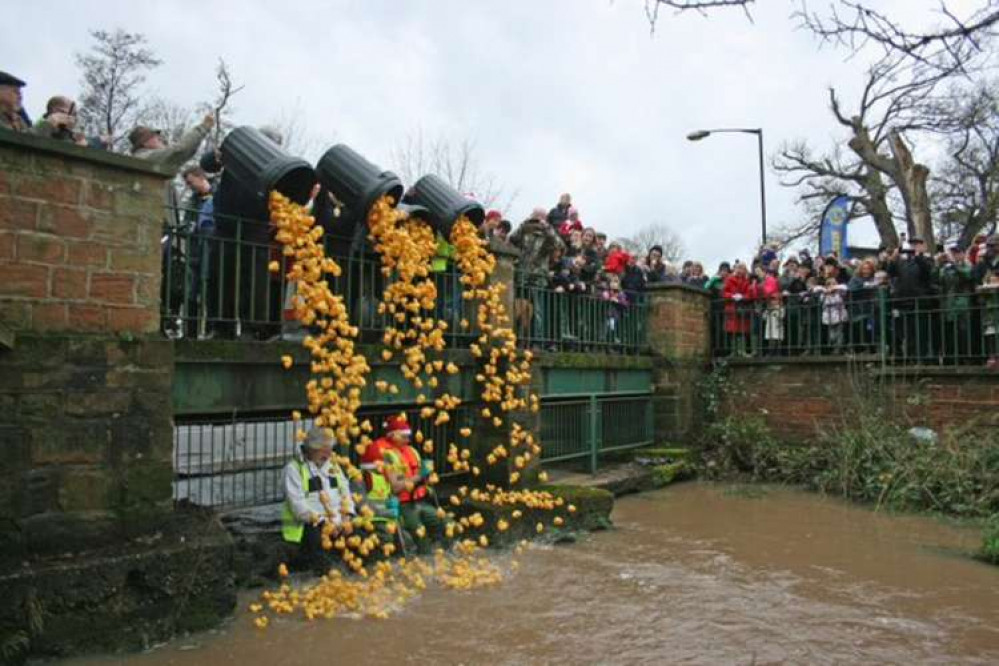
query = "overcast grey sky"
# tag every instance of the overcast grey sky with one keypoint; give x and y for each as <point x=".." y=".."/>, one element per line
<point x="558" y="95"/>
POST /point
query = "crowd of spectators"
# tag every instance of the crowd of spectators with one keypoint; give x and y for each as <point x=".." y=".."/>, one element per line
<point x="572" y="284"/>
<point x="909" y="302"/>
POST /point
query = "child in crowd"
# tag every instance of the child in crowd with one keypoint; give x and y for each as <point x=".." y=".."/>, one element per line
<point x="773" y="316"/>
<point x="619" y="301"/>
<point x="834" y="316"/>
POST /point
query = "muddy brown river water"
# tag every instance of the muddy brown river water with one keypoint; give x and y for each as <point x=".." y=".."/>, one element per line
<point x="694" y="574"/>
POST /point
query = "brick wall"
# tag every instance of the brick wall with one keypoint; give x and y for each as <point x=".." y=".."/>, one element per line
<point x="798" y="398"/>
<point x="678" y="335"/>
<point x="85" y="414"/>
<point x="79" y="232"/>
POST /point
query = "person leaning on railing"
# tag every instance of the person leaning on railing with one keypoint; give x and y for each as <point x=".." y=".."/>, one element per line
<point x="863" y="289"/>
<point x="738" y="292"/>
<point x="536" y="240"/>
<point x="988" y="294"/>
<point x="956" y="281"/>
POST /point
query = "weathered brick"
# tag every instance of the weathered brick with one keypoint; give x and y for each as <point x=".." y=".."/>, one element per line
<point x="4" y="183"/>
<point x="69" y="283"/>
<point x="16" y="314"/>
<point x="86" y="318"/>
<point x="133" y="320"/>
<point x="87" y="254"/>
<point x="41" y="248"/>
<point x="86" y="489"/>
<point x="48" y="317"/>
<point x="44" y="406"/>
<point x="18" y="214"/>
<point x="136" y="262"/>
<point x="49" y="188"/>
<point x="97" y="403"/>
<point x="112" y="288"/>
<point x="147" y="291"/>
<point x="114" y="229"/>
<point x="98" y="195"/>
<point x="6" y="246"/>
<point x="25" y="280"/>
<point x="64" y="221"/>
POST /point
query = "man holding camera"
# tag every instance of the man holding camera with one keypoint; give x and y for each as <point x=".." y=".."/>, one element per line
<point x="911" y="271"/>
<point x="59" y="122"/>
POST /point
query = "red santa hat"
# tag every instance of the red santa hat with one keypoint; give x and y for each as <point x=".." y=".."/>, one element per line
<point x="397" y="425"/>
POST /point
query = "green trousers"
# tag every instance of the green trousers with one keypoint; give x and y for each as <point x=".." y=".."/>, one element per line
<point x="417" y="514"/>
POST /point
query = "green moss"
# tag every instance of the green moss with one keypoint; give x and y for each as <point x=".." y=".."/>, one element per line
<point x="663" y="475"/>
<point x="670" y="453"/>
<point x="990" y="541"/>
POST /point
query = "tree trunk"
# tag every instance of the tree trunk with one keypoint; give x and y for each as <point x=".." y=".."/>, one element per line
<point x="877" y="206"/>
<point x="911" y="180"/>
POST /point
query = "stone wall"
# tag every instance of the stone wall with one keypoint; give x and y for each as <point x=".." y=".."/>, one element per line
<point x="85" y="418"/>
<point x="801" y="397"/>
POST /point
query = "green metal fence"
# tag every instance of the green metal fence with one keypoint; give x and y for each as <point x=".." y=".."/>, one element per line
<point x="944" y="329"/>
<point x="582" y="427"/>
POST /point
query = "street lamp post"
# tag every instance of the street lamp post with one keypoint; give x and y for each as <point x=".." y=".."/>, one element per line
<point x="703" y="134"/>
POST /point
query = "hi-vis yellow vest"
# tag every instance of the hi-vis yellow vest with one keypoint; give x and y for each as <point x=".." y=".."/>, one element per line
<point x="292" y="528"/>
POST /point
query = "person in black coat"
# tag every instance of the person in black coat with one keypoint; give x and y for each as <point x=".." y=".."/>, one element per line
<point x="911" y="272"/>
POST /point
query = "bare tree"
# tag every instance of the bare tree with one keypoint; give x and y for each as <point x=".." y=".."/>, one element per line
<point x="820" y="179"/>
<point x="659" y="233"/>
<point x="170" y="118"/>
<point x="652" y="7"/>
<point x="965" y="189"/>
<point x="220" y="107"/>
<point x="454" y="161"/>
<point x="299" y="139"/>
<point x="113" y="73"/>
<point x="856" y="26"/>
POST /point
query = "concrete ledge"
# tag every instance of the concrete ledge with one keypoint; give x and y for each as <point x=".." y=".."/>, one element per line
<point x="659" y="287"/>
<point x="33" y="143"/>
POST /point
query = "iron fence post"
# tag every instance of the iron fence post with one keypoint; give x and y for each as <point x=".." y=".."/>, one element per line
<point x="883" y="324"/>
<point x="594" y="423"/>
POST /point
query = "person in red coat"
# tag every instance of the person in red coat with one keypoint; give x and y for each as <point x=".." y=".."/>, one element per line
<point x="738" y="292"/>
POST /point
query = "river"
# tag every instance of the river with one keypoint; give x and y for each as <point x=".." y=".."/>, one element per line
<point x="693" y="574"/>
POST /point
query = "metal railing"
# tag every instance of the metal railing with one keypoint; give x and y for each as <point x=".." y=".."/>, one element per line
<point x="216" y="283"/>
<point x="944" y="329"/>
<point x="555" y="320"/>
<point x="586" y="426"/>
<point x="239" y="463"/>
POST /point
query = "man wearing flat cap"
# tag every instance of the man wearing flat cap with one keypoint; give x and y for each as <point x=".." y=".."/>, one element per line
<point x="149" y="144"/>
<point x="11" y="115"/>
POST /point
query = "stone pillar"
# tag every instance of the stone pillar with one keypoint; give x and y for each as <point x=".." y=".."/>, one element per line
<point x="85" y="413"/>
<point x="680" y="340"/>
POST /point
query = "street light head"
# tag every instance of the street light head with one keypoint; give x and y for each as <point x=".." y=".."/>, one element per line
<point x="698" y="135"/>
